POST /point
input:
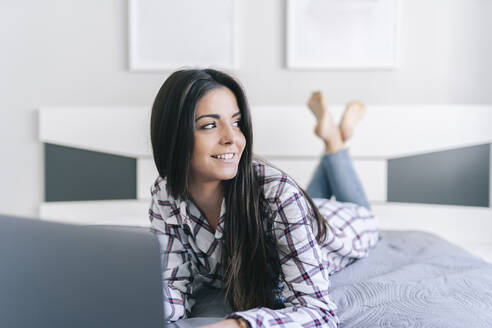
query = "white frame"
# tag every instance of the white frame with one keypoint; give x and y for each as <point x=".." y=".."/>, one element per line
<point x="291" y="62"/>
<point x="137" y="64"/>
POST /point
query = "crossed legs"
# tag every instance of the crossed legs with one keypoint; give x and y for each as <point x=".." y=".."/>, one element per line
<point x="335" y="174"/>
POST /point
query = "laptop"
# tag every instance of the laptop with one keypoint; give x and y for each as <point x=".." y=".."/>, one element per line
<point x="60" y="275"/>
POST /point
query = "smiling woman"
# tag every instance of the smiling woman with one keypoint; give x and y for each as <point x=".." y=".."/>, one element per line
<point x="218" y="146"/>
<point x="238" y="222"/>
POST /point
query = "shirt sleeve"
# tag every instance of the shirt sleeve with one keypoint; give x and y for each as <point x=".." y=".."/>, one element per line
<point x="352" y="232"/>
<point x="306" y="280"/>
<point x="177" y="273"/>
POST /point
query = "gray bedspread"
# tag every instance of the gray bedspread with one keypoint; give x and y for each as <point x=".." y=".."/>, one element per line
<point x="411" y="279"/>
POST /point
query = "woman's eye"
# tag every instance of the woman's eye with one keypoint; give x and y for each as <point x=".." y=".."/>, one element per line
<point x="212" y="125"/>
<point x="208" y="126"/>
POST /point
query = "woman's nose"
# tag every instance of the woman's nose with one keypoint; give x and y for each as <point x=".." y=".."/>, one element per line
<point x="227" y="135"/>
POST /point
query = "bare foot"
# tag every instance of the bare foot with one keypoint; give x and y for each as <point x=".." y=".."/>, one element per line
<point x="325" y="128"/>
<point x="354" y="112"/>
<point x="325" y="125"/>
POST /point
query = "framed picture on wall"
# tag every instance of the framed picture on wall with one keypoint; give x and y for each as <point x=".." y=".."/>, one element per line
<point x="342" y="34"/>
<point x="169" y="34"/>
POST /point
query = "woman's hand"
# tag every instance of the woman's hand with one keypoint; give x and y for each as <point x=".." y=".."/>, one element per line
<point x="228" y="323"/>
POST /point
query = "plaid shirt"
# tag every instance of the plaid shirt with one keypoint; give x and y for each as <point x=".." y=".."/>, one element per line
<point x="190" y="248"/>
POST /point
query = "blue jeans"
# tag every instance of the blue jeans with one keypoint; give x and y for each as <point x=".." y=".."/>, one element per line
<point x="335" y="175"/>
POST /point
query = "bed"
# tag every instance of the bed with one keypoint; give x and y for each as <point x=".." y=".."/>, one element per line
<point x="422" y="272"/>
<point x="411" y="279"/>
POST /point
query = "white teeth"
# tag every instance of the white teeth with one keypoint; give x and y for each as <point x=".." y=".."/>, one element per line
<point x="224" y="156"/>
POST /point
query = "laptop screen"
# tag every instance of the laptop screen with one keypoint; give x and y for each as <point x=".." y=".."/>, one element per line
<point x="61" y="275"/>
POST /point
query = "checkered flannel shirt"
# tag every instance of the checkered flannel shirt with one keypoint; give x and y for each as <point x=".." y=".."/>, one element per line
<point x="190" y="247"/>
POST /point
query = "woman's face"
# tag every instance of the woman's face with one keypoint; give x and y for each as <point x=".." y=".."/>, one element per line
<point x="219" y="141"/>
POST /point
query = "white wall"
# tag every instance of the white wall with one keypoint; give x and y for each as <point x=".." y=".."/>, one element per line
<point x="74" y="53"/>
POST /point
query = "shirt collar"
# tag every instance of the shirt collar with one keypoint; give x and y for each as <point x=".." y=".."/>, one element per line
<point x="173" y="209"/>
<point x="219" y="231"/>
<point x="176" y="212"/>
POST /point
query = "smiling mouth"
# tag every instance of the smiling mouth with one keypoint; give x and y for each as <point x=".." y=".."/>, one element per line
<point x="225" y="157"/>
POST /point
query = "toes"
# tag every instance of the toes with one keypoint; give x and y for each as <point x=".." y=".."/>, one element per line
<point x="316" y="97"/>
<point x="356" y="104"/>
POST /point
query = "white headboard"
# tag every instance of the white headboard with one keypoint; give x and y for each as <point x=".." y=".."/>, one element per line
<point x="283" y="135"/>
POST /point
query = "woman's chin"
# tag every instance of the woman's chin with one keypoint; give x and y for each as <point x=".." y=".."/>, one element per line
<point x="227" y="175"/>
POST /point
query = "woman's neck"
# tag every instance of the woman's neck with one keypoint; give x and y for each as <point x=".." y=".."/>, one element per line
<point x="206" y="192"/>
<point x="208" y="198"/>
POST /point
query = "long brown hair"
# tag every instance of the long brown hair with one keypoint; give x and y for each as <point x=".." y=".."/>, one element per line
<point x="250" y="258"/>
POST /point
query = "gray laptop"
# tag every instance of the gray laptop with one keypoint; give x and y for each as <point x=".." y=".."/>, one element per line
<point x="60" y="275"/>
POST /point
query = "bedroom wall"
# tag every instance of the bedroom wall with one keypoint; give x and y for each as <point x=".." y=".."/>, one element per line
<point x="74" y="53"/>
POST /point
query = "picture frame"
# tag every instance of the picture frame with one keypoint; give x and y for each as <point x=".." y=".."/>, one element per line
<point x="191" y="41"/>
<point x="342" y="34"/>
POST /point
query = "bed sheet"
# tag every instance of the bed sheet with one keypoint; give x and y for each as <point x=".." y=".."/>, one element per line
<point x="411" y="279"/>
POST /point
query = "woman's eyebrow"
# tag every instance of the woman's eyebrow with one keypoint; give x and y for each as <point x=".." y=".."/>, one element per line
<point x="217" y="116"/>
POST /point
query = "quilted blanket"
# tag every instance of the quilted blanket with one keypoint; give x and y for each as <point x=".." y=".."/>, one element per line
<point x="411" y="279"/>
